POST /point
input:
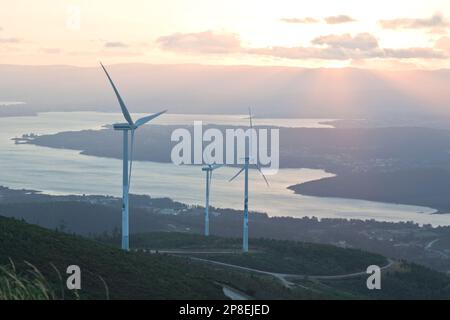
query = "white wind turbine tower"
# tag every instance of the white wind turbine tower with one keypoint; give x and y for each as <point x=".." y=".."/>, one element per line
<point x="209" y="171"/>
<point x="245" y="169"/>
<point x="126" y="127"/>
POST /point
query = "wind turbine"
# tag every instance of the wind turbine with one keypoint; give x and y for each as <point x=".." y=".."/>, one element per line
<point x="245" y="170"/>
<point x="126" y="127"/>
<point x="209" y="171"/>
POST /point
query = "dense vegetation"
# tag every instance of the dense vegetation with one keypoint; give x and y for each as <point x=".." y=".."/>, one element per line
<point x="69" y="213"/>
<point x="108" y="272"/>
<point x="34" y="261"/>
<point x="302" y="258"/>
<point x="405" y="281"/>
<point x="15" y="286"/>
<point x="265" y="254"/>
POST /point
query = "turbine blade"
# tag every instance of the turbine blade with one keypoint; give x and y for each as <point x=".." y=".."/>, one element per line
<point x="260" y="171"/>
<point x="146" y="119"/>
<point x="250" y="117"/>
<point x="234" y="177"/>
<point x="125" y="112"/>
<point x="131" y="158"/>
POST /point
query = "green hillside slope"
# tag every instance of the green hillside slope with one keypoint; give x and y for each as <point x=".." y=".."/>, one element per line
<point x="127" y="275"/>
<point x="108" y="272"/>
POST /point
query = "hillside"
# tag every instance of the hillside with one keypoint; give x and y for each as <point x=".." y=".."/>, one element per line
<point x="402" y="280"/>
<point x="125" y="275"/>
<point x="69" y="213"/>
<point x="265" y="254"/>
<point x="108" y="272"/>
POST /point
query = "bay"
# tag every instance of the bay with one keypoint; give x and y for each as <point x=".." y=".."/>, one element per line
<point x="60" y="171"/>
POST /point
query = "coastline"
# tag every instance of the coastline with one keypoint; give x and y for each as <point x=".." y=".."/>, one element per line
<point x="385" y="187"/>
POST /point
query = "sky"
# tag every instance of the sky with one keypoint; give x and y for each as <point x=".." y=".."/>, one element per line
<point x="382" y="34"/>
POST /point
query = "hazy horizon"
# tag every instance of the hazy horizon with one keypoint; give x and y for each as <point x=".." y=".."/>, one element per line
<point x="272" y="91"/>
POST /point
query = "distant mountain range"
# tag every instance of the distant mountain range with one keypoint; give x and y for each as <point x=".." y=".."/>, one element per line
<point x="270" y="91"/>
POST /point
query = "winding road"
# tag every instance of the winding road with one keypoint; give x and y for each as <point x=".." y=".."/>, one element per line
<point x="282" y="277"/>
<point x="430" y="244"/>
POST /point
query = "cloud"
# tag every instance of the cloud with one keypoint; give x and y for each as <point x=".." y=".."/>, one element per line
<point x="347" y="47"/>
<point x="436" y="21"/>
<point x="360" y="41"/>
<point x="10" y="40"/>
<point x="348" y="54"/>
<point x="411" y="53"/>
<point x="327" y="47"/>
<point x="201" y="42"/>
<point x="315" y="53"/>
<point x="307" y="20"/>
<point x="338" y="19"/>
<point x="302" y="53"/>
<point x="328" y="20"/>
<point x="115" y="44"/>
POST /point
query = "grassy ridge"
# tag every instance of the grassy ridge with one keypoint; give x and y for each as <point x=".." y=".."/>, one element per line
<point x="108" y="272"/>
<point x="126" y="275"/>
<point x="405" y="281"/>
<point x="266" y="254"/>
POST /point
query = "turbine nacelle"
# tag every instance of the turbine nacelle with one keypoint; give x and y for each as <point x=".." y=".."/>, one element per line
<point x="140" y="122"/>
<point x="123" y="126"/>
<point x="247" y="159"/>
<point x="211" y="167"/>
